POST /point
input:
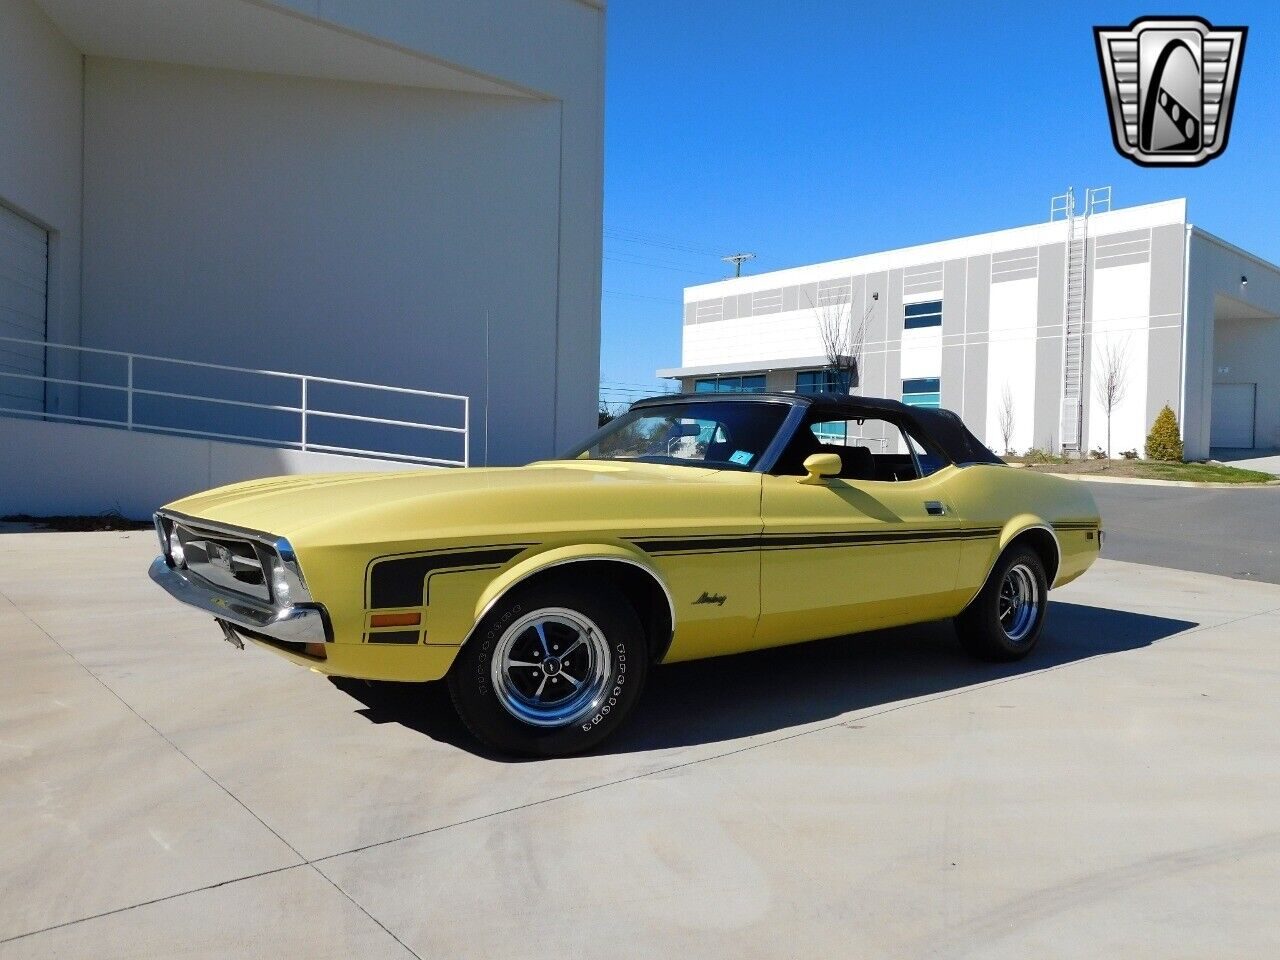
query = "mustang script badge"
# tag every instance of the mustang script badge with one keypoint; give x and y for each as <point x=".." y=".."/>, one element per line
<point x="1170" y="84"/>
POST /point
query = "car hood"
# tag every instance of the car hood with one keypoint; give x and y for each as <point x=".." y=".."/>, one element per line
<point x="338" y="507"/>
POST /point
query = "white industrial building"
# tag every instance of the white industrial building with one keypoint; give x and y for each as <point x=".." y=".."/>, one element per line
<point x="1032" y="313"/>
<point x="395" y="194"/>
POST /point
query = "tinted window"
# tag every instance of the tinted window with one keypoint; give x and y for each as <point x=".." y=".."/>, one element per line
<point x="922" y="392"/>
<point x="724" y="435"/>
<point x="751" y="384"/>
<point x="928" y="314"/>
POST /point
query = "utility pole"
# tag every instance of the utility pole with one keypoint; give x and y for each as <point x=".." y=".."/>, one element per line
<point x="737" y="259"/>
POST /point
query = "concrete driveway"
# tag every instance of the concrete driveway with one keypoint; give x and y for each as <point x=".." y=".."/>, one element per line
<point x="163" y="795"/>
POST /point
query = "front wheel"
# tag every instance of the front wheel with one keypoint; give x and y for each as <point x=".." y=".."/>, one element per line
<point x="553" y="669"/>
<point x="1005" y="619"/>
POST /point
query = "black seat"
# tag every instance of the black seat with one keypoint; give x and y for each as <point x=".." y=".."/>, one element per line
<point x="856" y="463"/>
<point x="803" y="445"/>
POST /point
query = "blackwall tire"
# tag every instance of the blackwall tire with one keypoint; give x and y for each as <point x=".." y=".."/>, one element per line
<point x="553" y="669"/>
<point x="1006" y="618"/>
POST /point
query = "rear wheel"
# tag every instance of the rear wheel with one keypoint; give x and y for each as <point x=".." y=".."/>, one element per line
<point x="1005" y="619"/>
<point x="553" y="669"/>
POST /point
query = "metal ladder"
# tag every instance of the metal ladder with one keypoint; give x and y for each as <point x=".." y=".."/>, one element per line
<point x="1097" y="199"/>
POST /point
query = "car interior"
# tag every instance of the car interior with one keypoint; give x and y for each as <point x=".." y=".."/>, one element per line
<point x="869" y="448"/>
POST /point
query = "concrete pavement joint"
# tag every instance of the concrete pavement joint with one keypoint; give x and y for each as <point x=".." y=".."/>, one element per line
<point x="302" y="861"/>
<point x="313" y="863"/>
<point x="155" y="900"/>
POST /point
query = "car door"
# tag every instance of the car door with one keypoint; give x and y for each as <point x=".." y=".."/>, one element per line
<point x="857" y="553"/>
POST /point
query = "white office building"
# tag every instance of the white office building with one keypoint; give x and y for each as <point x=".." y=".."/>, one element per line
<point x="1033" y="314"/>
<point x="397" y="194"/>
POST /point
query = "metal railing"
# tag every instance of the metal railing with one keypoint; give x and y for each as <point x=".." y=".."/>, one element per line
<point x="305" y="408"/>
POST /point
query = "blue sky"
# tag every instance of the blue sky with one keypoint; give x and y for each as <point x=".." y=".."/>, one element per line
<point x="807" y="131"/>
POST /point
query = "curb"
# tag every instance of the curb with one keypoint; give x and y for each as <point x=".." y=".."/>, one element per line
<point x="1142" y="481"/>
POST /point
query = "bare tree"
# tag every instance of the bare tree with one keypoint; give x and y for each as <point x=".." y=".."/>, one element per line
<point x="1112" y="366"/>
<point x="1007" y="417"/>
<point x="841" y="337"/>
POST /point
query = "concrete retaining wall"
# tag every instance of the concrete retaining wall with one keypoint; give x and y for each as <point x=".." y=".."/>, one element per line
<point x="56" y="469"/>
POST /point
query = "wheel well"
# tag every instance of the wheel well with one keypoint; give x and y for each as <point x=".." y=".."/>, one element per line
<point x="1045" y="544"/>
<point x="642" y="589"/>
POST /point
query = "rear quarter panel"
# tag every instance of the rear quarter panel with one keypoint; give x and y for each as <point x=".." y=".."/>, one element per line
<point x="1012" y="501"/>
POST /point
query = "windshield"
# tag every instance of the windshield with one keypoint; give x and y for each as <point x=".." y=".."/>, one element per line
<point x="724" y="435"/>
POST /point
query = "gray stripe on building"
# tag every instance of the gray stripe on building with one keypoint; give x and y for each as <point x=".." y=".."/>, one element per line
<point x="1007" y="275"/>
<point x="1047" y="422"/>
<point x="1112" y="239"/>
<point x="873" y="381"/>
<point x="925" y="278"/>
<point x="1127" y="259"/>
<point x="977" y="310"/>
<point x="1004" y="257"/>
<point x="1164" y="346"/>
<point x="893" y="346"/>
<point x="953" y="314"/>
<point x="806" y="296"/>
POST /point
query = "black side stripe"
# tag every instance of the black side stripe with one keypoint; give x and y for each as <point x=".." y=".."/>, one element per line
<point x="400" y="581"/>
<point x="806" y="541"/>
<point x="393" y="636"/>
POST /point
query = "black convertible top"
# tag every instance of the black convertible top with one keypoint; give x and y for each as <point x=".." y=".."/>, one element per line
<point x="944" y="427"/>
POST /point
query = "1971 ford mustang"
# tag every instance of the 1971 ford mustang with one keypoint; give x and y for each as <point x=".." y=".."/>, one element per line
<point x="691" y="526"/>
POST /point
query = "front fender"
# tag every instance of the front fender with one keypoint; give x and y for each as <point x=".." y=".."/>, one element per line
<point x="558" y="557"/>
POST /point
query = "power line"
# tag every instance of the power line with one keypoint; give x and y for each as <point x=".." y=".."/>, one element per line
<point x="653" y="240"/>
<point x="655" y="263"/>
<point x="640" y="296"/>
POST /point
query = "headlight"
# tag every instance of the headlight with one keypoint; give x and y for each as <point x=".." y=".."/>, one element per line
<point x="175" y="547"/>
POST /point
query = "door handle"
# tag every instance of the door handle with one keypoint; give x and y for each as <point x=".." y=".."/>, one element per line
<point x="935" y="508"/>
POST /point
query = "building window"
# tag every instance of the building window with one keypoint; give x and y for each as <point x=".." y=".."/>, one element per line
<point x="822" y="381"/>
<point x="927" y="314"/>
<point x="753" y="384"/>
<point x="922" y="392"/>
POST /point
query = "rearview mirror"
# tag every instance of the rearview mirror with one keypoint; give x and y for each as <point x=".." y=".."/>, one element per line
<point x="819" y="466"/>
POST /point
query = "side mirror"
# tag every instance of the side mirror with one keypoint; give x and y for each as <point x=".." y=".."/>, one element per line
<point x="819" y="466"/>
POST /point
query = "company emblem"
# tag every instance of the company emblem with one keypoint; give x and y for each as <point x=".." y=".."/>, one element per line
<point x="1170" y="84"/>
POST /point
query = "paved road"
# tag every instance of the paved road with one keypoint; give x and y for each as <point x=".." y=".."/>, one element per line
<point x="1235" y="533"/>
<point x="883" y="796"/>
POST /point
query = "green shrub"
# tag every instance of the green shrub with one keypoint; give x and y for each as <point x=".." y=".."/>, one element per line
<point x="1129" y="454"/>
<point x="1164" y="442"/>
<point x="1097" y="453"/>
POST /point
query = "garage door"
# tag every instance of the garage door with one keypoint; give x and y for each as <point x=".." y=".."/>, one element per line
<point x="24" y="272"/>
<point x="1232" y="423"/>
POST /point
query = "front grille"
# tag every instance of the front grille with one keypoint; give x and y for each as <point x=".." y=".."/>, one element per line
<point x="225" y="561"/>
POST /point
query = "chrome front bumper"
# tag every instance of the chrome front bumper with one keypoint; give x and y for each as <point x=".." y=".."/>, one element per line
<point x="291" y="624"/>
<point x="247" y="579"/>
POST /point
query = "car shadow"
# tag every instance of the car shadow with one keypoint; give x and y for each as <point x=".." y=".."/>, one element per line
<point x="727" y="698"/>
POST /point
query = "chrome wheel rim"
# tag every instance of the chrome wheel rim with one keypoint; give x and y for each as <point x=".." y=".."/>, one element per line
<point x="1018" y="605"/>
<point x="550" y="667"/>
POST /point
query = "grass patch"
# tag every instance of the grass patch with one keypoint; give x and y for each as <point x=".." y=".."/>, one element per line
<point x="1151" y="470"/>
<point x="1204" y="473"/>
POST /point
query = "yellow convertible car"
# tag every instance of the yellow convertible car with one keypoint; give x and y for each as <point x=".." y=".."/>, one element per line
<point x="691" y="526"/>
